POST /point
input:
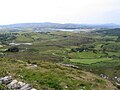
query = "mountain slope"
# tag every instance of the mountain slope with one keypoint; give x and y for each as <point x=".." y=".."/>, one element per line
<point x="51" y="76"/>
<point x="59" y="26"/>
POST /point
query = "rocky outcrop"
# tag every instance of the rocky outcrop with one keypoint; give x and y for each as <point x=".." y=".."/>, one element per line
<point x="13" y="84"/>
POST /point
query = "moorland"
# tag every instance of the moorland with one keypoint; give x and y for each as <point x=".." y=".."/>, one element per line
<point x="96" y="52"/>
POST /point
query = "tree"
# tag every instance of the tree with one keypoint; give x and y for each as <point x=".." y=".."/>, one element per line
<point x="118" y="39"/>
<point x="13" y="49"/>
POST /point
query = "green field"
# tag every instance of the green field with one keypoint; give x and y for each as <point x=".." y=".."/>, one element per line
<point x="82" y="55"/>
<point x="90" y="61"/>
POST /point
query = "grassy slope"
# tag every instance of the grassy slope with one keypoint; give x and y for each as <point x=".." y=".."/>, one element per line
<point x="52" y="76"/>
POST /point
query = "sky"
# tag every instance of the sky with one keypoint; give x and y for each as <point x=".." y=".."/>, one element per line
<point x="60" y="11"/>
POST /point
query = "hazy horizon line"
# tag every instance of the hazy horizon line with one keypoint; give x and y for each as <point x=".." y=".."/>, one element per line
<point x="60" y="23"/>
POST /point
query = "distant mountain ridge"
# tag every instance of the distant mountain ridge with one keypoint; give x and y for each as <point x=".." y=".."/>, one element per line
<point x="60" y="26"/>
